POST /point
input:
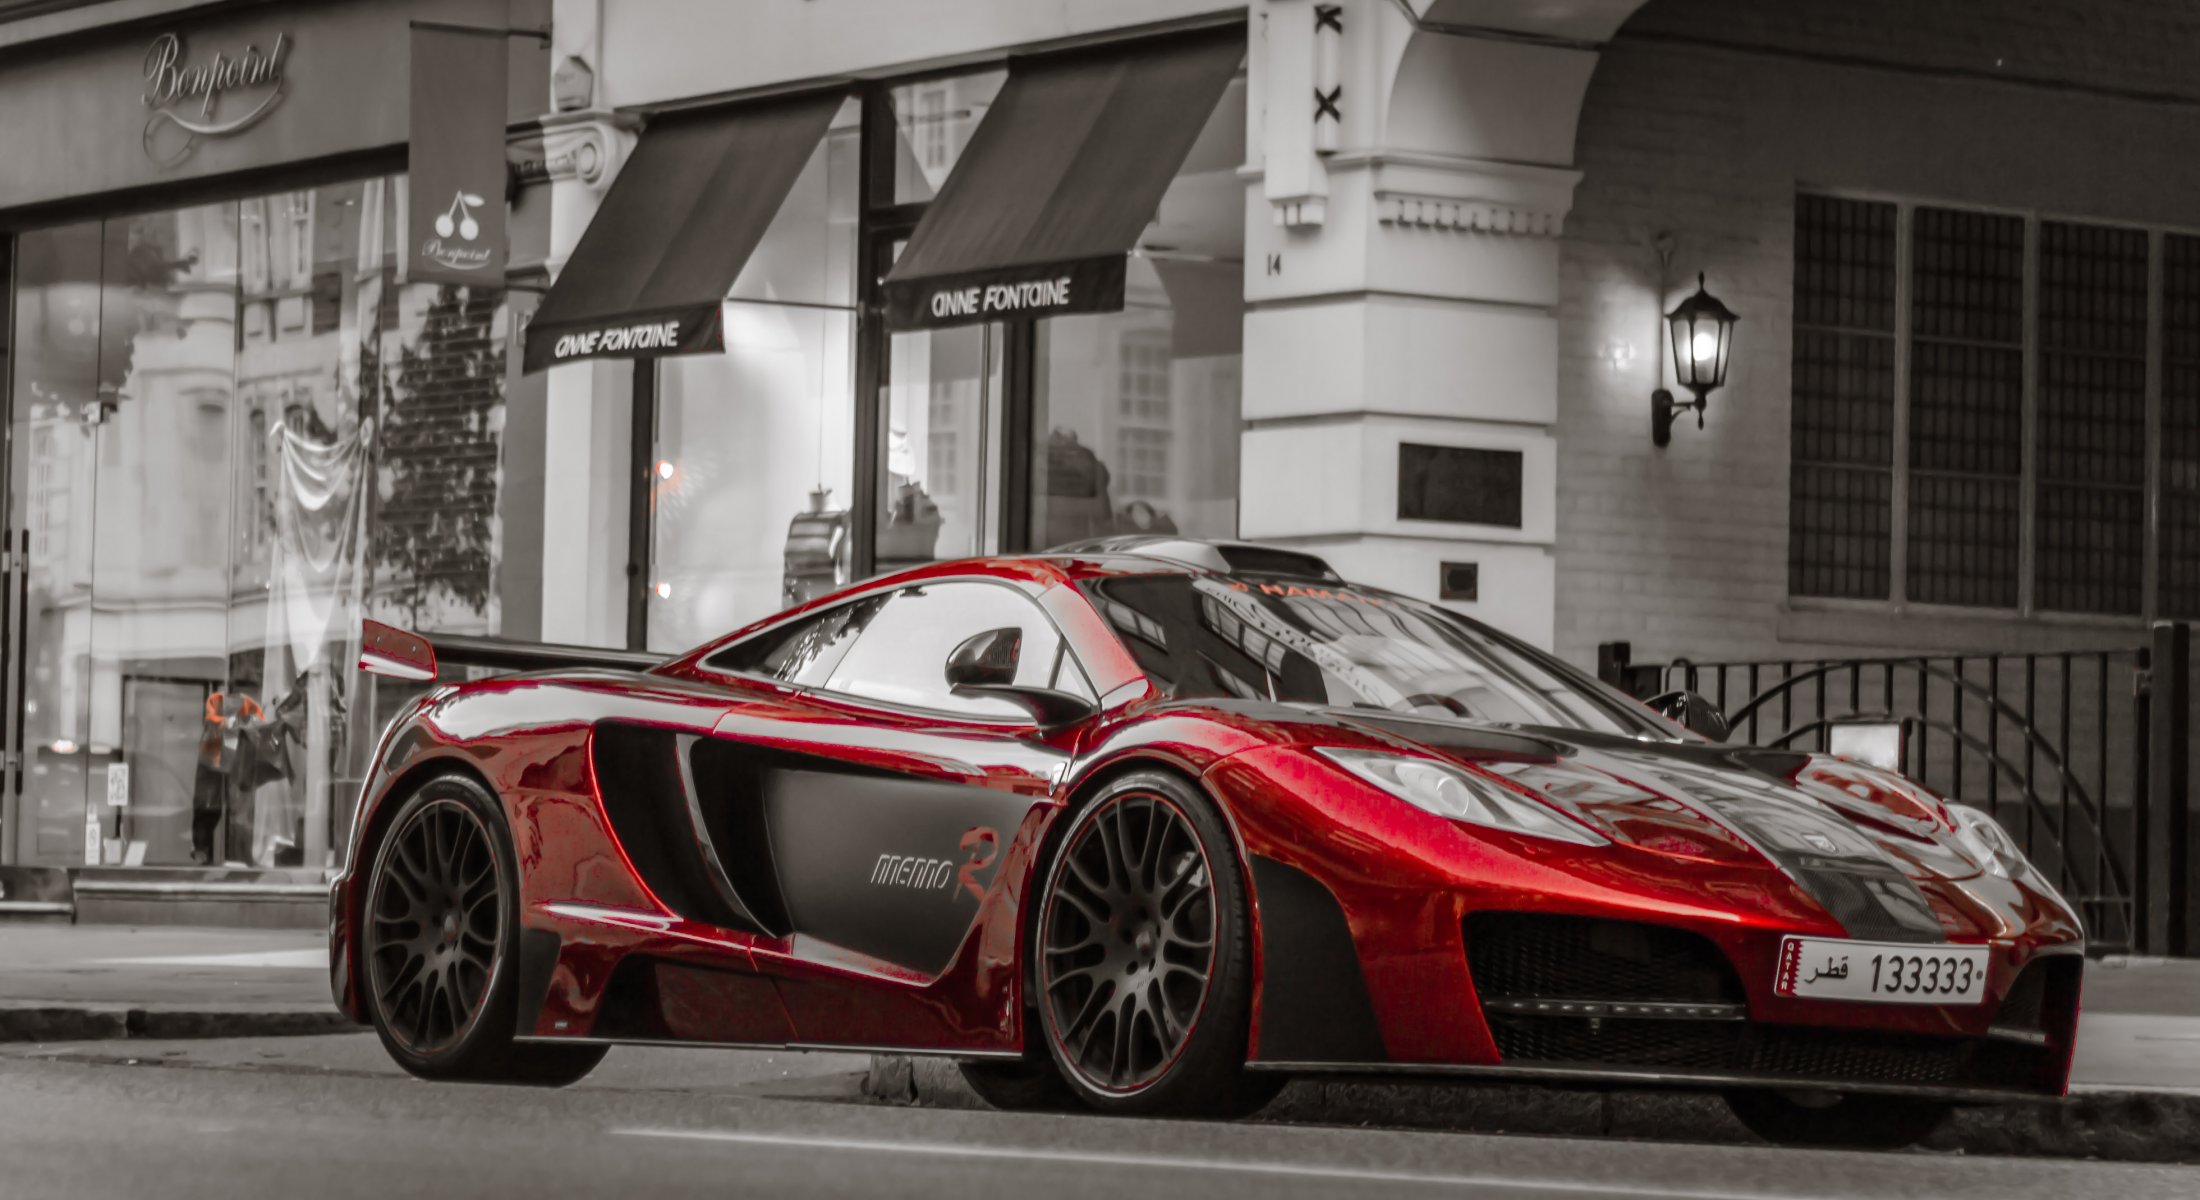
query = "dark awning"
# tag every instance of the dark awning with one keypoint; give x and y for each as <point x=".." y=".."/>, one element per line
<point x="1063" y="173"/>
<point x="677" y="225"/>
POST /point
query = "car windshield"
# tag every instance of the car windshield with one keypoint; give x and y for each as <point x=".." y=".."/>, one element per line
<point x="1305" y="643"/>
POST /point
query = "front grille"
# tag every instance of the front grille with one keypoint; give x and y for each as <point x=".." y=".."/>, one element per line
<point x="1527" y="966"/>
<point x="1782" y="1052"/>
<point x="1538" y="955"/>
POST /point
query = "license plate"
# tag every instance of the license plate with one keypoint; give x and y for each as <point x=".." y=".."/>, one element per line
<point x="1881" y="972"/>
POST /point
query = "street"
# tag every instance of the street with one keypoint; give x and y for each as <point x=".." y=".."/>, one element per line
<point x="1502" y="598"/>
<point x="250" y="1117"/>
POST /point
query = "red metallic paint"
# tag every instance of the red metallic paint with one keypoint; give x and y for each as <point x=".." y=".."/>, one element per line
<point x="1404" y="878"/>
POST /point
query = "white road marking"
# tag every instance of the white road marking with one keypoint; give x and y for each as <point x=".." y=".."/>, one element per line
<point x="280" y="959"/>
<point x="1362" y="1175"/>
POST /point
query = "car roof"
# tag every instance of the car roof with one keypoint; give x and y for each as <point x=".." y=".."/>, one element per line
<point x="1074" y="562"/>
<point x="1219" y="555"/>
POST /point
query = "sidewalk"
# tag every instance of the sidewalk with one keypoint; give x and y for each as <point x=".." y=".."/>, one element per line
<point x="2140" y="1029"/>
<point x="83" y="982"/>
<point x="2139" y="1026"/>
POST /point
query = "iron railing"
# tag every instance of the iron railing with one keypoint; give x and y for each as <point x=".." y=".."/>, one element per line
<point x="2060" y="747"/>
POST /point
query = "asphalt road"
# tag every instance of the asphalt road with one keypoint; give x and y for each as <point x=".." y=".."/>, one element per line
<point x="329" y="1117"/>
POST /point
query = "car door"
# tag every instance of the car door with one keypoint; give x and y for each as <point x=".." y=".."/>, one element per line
<point x="891" y="810"/>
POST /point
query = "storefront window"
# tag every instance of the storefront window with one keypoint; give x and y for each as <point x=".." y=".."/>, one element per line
<point x="1135" y="413"/>
<point x="933" y="121"/>
<point x="1133" y="416"/>
<point x="236" y="434"/>
<point x="753" y="467"/>
<point x="942" y="455"/>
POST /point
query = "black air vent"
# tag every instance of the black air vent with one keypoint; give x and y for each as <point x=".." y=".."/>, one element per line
<point x="728" y="787"/>
<point x="1547" y="957"/>
<point x="638" y="776"/>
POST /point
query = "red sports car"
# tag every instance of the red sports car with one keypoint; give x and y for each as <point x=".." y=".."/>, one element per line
<point x="1153" y="825"/>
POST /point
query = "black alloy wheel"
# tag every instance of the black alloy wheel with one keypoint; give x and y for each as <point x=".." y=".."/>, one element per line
<point x="435" y="925"/>
<point x="438" y="944"/>
<point x="1143" y="974"/>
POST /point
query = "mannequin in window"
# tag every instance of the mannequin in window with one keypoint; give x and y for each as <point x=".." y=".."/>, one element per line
<point x="1141" y="517"/>
<point x="227" y="714"/>
<point x="912" y="529"/>
<point x="1077" y="504"/>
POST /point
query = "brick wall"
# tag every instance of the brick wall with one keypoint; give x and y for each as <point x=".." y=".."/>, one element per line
<point x="2131" y="46"/>
<point x="1703" y="119"/>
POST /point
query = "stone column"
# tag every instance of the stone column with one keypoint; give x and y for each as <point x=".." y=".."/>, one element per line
<point x="586" y="433"/>
<point x="1406" y="188"/>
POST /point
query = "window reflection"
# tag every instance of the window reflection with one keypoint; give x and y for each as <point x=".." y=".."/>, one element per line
<point x="942" y="454"/>
<point x="901" y="655"/>
<point x="1301" y="642"/>
<point x="1136" y="413"/>
<point x="754" y="465"/>
<point x="933" y="121"/>
<point x="236" y="436"/>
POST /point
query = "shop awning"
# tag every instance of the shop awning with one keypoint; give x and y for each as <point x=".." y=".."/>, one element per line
<point x="1055" y="186"/>
<point x="677" y="225"/>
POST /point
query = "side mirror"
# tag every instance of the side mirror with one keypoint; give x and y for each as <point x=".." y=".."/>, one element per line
<point x="1693" y="713"/>
<point x="986" y="660"/>
<point x="985" y="665"/>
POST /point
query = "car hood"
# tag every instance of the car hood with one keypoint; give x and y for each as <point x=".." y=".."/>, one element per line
<point x="1879" y="852"/>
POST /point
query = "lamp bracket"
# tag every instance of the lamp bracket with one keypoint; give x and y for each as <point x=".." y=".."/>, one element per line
<point x="1664" y="409"/>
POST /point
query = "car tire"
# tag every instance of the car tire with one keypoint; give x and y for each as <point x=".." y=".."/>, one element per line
<point x="1025" y="1085"/>
<point x="439" y="942"/>
<point x="1850" y="1120"/>
<point x="1143" y="954"/>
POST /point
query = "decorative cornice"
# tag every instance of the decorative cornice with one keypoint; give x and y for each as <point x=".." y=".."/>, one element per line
<point x="1445" y="192"/>
<point x="1467" y="216"/>
<point x="1466" y="195"/>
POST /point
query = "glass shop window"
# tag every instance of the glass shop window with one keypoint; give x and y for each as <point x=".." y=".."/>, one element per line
<point x="753" y="469"/>
<point x="1135" y="414"/>
<point x="933" y="121"/>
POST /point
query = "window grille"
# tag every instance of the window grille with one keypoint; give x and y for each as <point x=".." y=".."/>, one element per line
<point x="1950" y="436"/>
<point x="1143" y="460"/>
<point x="1966" y="407"/>
<point x="2092" y="455"/>
<point x="1142" y="375"/>
<point x="2179" y="552"/>
<point x="1840" y="492"/>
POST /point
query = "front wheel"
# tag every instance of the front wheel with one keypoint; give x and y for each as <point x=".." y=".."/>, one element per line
<point x="439" y="947"/>
<point x="1024" y="1085"/>
<point x="1845" y="1119"/>
<point x="1144" y="973"/>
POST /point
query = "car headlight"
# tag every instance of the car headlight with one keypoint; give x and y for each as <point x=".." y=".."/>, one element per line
<point x="1458" y="794"/>
<point x="1987" y="841"/>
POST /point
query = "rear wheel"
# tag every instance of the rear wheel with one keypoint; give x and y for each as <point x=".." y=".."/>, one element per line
<point x="439" y="947"/>
<point x="1837" y="1119"/>
<point x="1143" y="942"/>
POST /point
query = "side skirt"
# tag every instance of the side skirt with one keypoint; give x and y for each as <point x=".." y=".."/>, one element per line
<point x="1651" y="1079"/>
<point x="805" y="1047"/>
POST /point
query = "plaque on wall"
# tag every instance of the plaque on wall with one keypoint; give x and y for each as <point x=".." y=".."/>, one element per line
<point x="1459" y="581"/>
<point x="1456" y="483"/>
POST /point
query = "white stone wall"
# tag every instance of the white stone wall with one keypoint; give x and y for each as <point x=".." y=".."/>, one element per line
<point x="656" y="51"/>
<point x="1702" y="120"/>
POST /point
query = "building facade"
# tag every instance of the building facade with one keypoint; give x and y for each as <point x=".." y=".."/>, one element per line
<point x="238" y="422"/>
<point x="1380" y="278"/>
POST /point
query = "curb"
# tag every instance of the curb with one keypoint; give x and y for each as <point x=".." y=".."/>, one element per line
<point x="2116" y="1125"/>
<point x="31" y="1021"/>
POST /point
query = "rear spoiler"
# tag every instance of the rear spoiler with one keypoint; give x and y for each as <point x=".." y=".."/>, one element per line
<point x="402" y="654"/>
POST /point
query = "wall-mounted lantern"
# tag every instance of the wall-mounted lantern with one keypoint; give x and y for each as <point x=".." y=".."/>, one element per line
<point x="1702" y="332"/>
